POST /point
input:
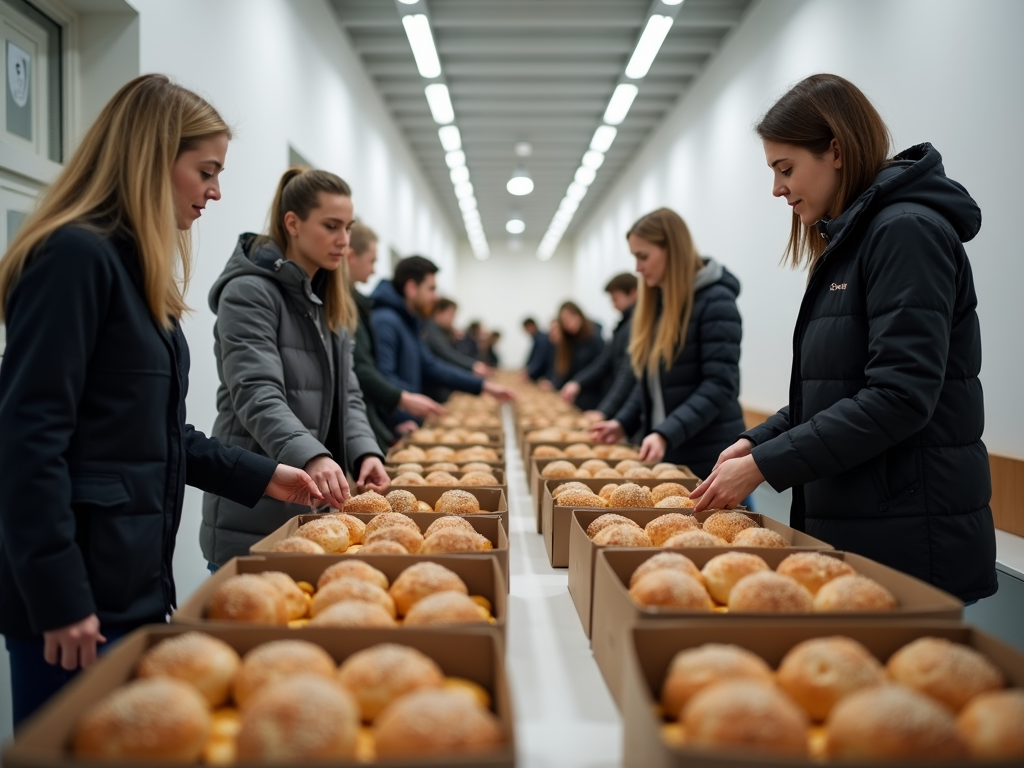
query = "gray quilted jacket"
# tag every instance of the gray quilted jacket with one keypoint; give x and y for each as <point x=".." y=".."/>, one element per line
<point x="287" y="387"/>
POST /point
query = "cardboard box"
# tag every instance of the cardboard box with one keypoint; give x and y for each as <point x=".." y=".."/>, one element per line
<point x="614" y="613"/>
<point x="583" y="551"/>
<point x="481" y="574"/>
<point x="536" y="480"/>
<point x="495" y="435"/>
<point x="498" y="472"/>
<point x="499" y="449"/>
<point x="651" y="647"/>
<point x="491" y="499"/>
<point x="485" y="525"/>
<point x="476" y="655"/>
<point x="555" y="519"/>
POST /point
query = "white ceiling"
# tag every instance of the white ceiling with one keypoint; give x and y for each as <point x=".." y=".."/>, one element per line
<point x="540" y="71"/>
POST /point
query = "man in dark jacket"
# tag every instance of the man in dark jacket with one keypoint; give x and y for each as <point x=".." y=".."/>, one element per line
<point x="613" y="364"/>
<point x="402" y="355"/>
<point x="881" y="440"/>
<point x="439" y="334"/>
<point x="541" y="353"/>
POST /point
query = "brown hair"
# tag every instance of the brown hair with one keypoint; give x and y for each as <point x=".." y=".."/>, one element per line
<point x="360" y="238"/>
<point x="119" y="178"/>
<point x="624" y="282"/>
<point x="810" y="115"/>
<point x="657" y="340"/>
<point x="299" y="191"/>
<point x="563" y="351"/>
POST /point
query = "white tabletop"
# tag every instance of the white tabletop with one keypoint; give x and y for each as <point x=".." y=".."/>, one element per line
<point x="565" y="715"/>
<point x="1010" y="553"/>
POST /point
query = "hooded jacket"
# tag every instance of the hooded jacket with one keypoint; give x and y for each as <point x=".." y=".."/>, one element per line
<point x="288" y="389"/>
<point x="700" y="390"/>
<point x="402" y="355"/>
<point x="881" y="441"/>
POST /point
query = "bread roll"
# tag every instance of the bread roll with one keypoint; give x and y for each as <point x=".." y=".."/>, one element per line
<point x="723" y="571"/>
<point x="639" y="473"/>
<point x="569" y="486"/>
<point x="206" y="662"/>
<point x="817" y="673"/>
<point x="411" y="539"/>
<point x="661" y="466"/>
<point x="574" y="498"/>
<point x="410" y="454"/>
<point x="548" y="452"/>
<point x="354" y="613"/>
<point x="388" y="519"/>
<point x="370" y="502"/>
<point x="950" y="673"/>
<point x="348" y="588"/>
<point x="770" y="592"/>
<point x="296" y="602"/>
<point x="352" y="569"/>
<point x="688" y="539"/>
<point x="663" y="528"/>
<point x="478" y="478"/>
<point x="666" y="588"/>
<point x="298" y="545"/>
<point x="440" y="453"/>
<point x="605" y="521"/>
<point x="594" y="465"/>
<point x="443" y="466"/>
<point x="668" y="560"/>
<point x="247" y="597"/>
<point x="422" y="506"/>
<point x="749" y="715"/>
<point x="992" y="725"/>
<point x="676" y="502"/>
<point x="416" y="469"/>
<point x="327" y="531"/>
<point x="891" y="722"/>
<point x="422" y="579"/>
<point x="627" y="464"/>
<point x="446" y="523"/>
<point x="607" y="490"/>
<point x="453" y="540"/>
<point x="694" y="669"/>
<point x="607" y="472"/>
<point x="725" y="524"/>
<point x="759" y="537"/>
<point x="401" y="501"/>
<point x="854" y="593"/>
<point x="441" y="478"/>
<point x="152" y="720"/>
<point x="304" y="717"/>
<point x="579" y="451"/>
<point x="630" y="495"/>
<point x="442" y="608"/>
<point x="457" y="503"/>
<point x="408" y="478"/>
<point x="356" y="528"/>
<point x="813" y="569"/>
<point x="477" y="466"/>
<point x="276" y="660"/>
<point x="558" y="469"/>
<point x="623" y="536"/>
<point x="383" y="548"/>
<point x="671" y="474"/>
<point x="379" y="675"/>
<point x="436" y="722"/>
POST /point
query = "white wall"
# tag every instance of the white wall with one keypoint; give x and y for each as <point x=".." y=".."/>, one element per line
<point x="281" y="73"/>
<point x="942" y="71"/>
<point x="507" y="288"/>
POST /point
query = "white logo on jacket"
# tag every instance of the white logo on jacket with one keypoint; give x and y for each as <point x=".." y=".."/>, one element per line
<point x="838" y="287"/>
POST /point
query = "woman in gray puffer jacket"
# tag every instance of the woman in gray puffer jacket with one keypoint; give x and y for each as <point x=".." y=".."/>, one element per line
<point x="283" y="345"/>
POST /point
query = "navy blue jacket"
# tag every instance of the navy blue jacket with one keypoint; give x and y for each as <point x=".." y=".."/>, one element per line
<point x="402" y="355"/>
<point x="881" y="440"/>
<point x="94" y="447"/>
<point x="541" y="356"/>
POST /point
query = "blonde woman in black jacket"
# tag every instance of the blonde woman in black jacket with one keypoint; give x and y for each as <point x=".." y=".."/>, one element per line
<point x="881" y="440"/>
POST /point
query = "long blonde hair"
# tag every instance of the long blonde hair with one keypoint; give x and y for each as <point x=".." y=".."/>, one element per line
<point x="299" y="191"/>
<point x="657" y="340"/>
<point x="119" y="178"/>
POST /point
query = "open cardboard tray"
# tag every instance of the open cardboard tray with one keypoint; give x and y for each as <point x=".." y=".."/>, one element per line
<point x="536" y="480"/>
<point x="527" y="447"/>
<point x="614" y="613"/>
<point x="555" y="519"/>
<point x="492" y="500"/>
<point x="499" y="449"/>
<point x="476" y="655"/>
<point x="498" y="472"/>
<point x="486" y="525"/>
<point x="583" y="551"/>
<point x="650" y="648"/>
<point x="496" y="435"/>
<point x="481" y="574"/>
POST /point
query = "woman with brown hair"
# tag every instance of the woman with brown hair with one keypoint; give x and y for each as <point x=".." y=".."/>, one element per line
<point x="94" y="444"/>
<point x="577" y="343"/>
<point x="881" y="440"/>
<point x="283" y="343"/>
<point x="684" y="347"/>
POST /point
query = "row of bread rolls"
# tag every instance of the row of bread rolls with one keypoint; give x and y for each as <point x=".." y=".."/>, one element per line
<point x="624" y="469"/>
<point x="441" y="473"/>
<point x="722" y="528"/>
<point x="455" y="436"/>
<point x="415" y="454"/>
<point x="804" y="582"/>
<point x="350" y="593"/>
<point x="293" y="703"/>
<point x="581" y="450"/>
<point x="934" y="699"/>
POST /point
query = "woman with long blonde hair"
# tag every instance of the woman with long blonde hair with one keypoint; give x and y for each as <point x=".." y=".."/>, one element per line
<point x="685" y="350"/>
<point x="283" y="343"/>
<point x="94" y="444"/>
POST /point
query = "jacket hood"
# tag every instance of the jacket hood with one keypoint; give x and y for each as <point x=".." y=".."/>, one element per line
<point x="916" y="175"/>
<point x="257" y="256"/>
<point x="713" y="272"/>
<point x="386" y="295"/>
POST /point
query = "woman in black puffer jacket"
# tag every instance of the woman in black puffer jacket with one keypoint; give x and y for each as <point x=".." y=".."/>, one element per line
<point x="881" y="440"/>
<point x="577" y="345"/>
<point x="685" y="348"/>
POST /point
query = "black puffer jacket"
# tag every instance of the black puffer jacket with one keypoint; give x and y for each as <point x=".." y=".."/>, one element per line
<point x="702" y="414"/>
<point x="881" y="441"/>
<point x="613" y="365"/>
<point x="583" y="354"/>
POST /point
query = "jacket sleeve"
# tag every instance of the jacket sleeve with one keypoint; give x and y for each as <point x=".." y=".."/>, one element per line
<point x="54" y="315"/>
<point x="443" y="350"/>
<point x="377" y="390"/>
<point x="389" y="342"/>
<point x="447" y="375"/>
<point x="537" y="364"/>
<point x="359" y="438"/>
<point x="910" y="276"/>
<point x="629" y="414"/>
<point x="226" y="470"/>
<point x="600" y="369"/>
<point x="775" y="425"/>
<point x="720" y="332"/>
<point x="247" y="322"/>
<point x="622" y="386"/>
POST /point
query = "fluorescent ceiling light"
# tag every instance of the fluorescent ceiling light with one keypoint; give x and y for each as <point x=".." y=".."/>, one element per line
<point x="450" y="137"/>
<point x="648" y="46"/>
<point x="413" y="2"/>
<point x="576" y="191"/>
<point x="520" y="184"/>
<point x="568" y="205"/>
<point x="666" y="2"/>
<point x="603" y="138"/>
<point x="585" y="176"/>
<point x="468" y="203"/>
<point x="459" y="174"/>
<point x="618" y="106"/>
<point x="593" y="160"/>
<point x="515" y="226"/>
<point x="456" y="159"/>
<point x="440" y="103"/>
<point x="470" y="216"/>
<point x="465" y="189"/>
<point x="417" y="29"/>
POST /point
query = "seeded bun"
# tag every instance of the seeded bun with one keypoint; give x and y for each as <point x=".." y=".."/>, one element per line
<point x="298" y="545"/>
<point x="723" y="571"/>
<point x="676" y="502"/>
<point x="854" y="593"/>
<point x="559" y="469"/>
<point x="579" y="451"/>
<point x="454" y="540"/>
<point x="296" y="602"/>
<point x="443" y="466"/>
<point x="356" y="528"/>
<point x="689" y="539"/>
<point x="436" y="722"/>
<point x="384" y="673"/>
<point x="594" y="465"/>
<point x="206" y="662"/>
<point x="477" y="466"/>
<point x="408" y="478"/>
<point x="548" y="452"/>
<point x="604" y="521"/>
<point x="422" y="506"/>
<point x="726" y="525"/>
<point x="665" y="490"/>
<point x="247" y="597"/>
<point x="352" y="569"/>
<point x="351" y="614"/>
<point x="606" y="491"/>
<point x="416" y="469"/>
<point x="672" y="561"/>
<point x="759" y="537"/>
<point x="627" y="464"/>
<point x="277" y="660"/>
<point x="411" y="539"/>
<point x="457" y="503"/>
<point x="666" y="588"/>
<point x="450" y="522"/>
<point x="389" y="519"/>
<point x="630" y="496"/>
<point x="383" y="548"/>
<point x="695" y="669"/>
<point x="440" y="453"/>
<point x="369" y="502"/>
<point x="663" y="528"/>
<point x="422" y="579"/>
<point x="950" y="673"/>
<point x="572" y="485"/>
<point x="623" y="536"/>
<point x="478" y="478"/>
<point x="348" y="588"/>
<point x="401" y="501"/>
<point x="608" y="473"/>
<point x="441" y="478"/>
<point x="991" y="725"/>
<point x="639" y="473"/>
<point x="327" y="531"/>
<point x="575" y="498"/>
<point x="770" y="592"/>
<point x="409" y="454"/>
<point x="818" y="673"/>
<point x="749" y="715"/>
<point x="813" y="569"/>
<point x="442" y="608"/>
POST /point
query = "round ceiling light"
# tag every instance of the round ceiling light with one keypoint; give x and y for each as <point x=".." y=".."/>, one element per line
<point x="520" y="184"/>
<point x="515" y="226"/>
